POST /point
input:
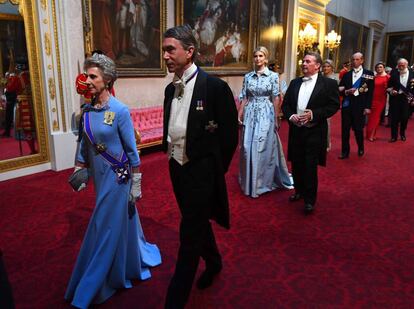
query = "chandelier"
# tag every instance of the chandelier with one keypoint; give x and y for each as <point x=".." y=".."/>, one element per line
<point x="332" y="40"/>
<point x="307" y="37"/>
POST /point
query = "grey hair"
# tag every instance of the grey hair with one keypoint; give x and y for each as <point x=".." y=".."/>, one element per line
<point x="185" y="35"/>
<point x="317" y="56"/>
<point x="402" y="60"/>
<point x="359" y="54"/>
<point x="105" y="64"/>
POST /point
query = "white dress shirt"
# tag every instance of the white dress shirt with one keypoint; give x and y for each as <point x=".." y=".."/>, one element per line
<point x="404" y="78"/>
<point x="305" y="92"/>
<point x="180" y="106"/>
<point x="357" y="73"/>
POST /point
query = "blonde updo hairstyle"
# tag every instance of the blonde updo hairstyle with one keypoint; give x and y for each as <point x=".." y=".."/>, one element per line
<point x="264" y="51"/>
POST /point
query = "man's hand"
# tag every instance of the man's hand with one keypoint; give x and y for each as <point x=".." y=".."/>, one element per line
<point x="367" y="111"/>
<point x="350" y="91"/>
<point x="295" y="119"/>
<point x="306" y="117"/>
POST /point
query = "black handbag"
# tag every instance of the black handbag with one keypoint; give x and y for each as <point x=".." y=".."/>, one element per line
<point x="79" y="179"/>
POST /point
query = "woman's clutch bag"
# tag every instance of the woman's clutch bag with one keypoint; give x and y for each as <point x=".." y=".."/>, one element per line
<point x="79" y="179"/>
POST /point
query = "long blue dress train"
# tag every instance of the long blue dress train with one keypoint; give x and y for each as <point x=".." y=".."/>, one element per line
<point x="114" y="249"/>
<point x="262" y="162"/>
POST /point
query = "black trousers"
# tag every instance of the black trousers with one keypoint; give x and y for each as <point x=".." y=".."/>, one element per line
<point x="348" y="121"/>
<point x="193" y="185"/>
<point x="11" y="102"/>
<point x="399" y="111"/>
<point x="305" y="165"/>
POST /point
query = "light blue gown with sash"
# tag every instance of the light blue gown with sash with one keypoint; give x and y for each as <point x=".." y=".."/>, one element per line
<point x="262" y="162"/>
<point x="114" y="250"/>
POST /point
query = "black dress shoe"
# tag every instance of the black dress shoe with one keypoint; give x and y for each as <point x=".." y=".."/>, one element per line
<point x="360" y="153"/>
<point x="343" y="156"/>
<point x="207" y="277"/>
<point x="308" y="208"/>
<point x="392" y="140"/>
<point x="295" y="197"/>
<point x="403" y="138"/>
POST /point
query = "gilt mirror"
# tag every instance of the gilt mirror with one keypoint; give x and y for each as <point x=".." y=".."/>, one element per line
<point x="23" y="140"/>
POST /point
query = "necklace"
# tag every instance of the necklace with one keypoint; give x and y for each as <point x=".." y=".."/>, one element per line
<point x="101" y="104"/>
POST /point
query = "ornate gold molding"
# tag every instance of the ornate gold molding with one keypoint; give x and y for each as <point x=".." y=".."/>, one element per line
<point x="48" y="47"/>
<point x="43" y="4"/>
<point x="55" y="125"/>
<point x="4" y="16"/>
<point x="52" y="88"/>
<point x="15" y="2"/>
<point x="55" y="31"/>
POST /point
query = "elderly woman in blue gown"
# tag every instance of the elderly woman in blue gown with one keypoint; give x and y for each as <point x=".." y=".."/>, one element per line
<point x="114" y="250"/>
<point x="262" y="162"/>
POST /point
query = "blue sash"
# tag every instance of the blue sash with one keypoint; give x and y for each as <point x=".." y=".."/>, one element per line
<point x="347" y="101"/>
<point x="119" y="166"/>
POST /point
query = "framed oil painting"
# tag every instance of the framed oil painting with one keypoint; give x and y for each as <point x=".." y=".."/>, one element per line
<point x="350" y="40"/>
<point x="130" y="32"/>
<point x="399" y="45"/>
<point x="272" y="29"/>
<point x="224" y="32"/>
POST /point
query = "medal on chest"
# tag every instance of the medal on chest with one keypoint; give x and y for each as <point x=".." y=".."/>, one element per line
<point x="109" y="118"/>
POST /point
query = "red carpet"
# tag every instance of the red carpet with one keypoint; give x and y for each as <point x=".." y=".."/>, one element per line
<point x="355" y="251"/>
<point x="10" y="147"/>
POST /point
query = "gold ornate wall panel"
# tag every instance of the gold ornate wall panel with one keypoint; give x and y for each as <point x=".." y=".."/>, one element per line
<point x="51" y="50"/>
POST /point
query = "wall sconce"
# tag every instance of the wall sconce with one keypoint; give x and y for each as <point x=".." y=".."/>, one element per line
<point x="332" y="40"/>
<point x="307" y="37"/>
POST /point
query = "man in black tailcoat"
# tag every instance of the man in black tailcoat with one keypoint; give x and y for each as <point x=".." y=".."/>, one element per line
<point x="401" y="89"/>
<point x="357" y="88"/>
<point x="308" y="102"/>
<point x="200" y="137"/>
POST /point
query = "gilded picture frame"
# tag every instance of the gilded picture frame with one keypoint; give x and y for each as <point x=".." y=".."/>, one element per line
<point x="224" y="31"/>
<point x="130" y="33"/>
<point x="399" y="45"/>
<point x="28" y="12"/>
<point x="351" y="38"/>
<point x="271" y="29"/>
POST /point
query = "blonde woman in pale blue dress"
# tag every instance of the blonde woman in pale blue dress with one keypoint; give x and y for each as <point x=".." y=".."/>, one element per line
<point x="262" y="162"/>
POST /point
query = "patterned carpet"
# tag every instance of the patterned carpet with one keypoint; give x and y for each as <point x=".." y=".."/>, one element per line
<point x="355" y="251"/>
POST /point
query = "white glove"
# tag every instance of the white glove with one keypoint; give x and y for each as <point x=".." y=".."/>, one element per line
<point x="136" y="186"/>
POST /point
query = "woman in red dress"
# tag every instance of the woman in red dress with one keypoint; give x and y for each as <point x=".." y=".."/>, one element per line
<point x="378" y="101"/>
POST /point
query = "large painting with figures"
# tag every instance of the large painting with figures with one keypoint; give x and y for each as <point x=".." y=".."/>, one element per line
<point x="223" y="30"/>
<point x="399" y="45"/>
<point x="130" y="32"/>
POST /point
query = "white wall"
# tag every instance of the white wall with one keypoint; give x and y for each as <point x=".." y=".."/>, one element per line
<point x="399" y="15"/>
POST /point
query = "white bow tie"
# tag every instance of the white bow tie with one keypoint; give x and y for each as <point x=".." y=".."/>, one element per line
<point x="306" y="78"/>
